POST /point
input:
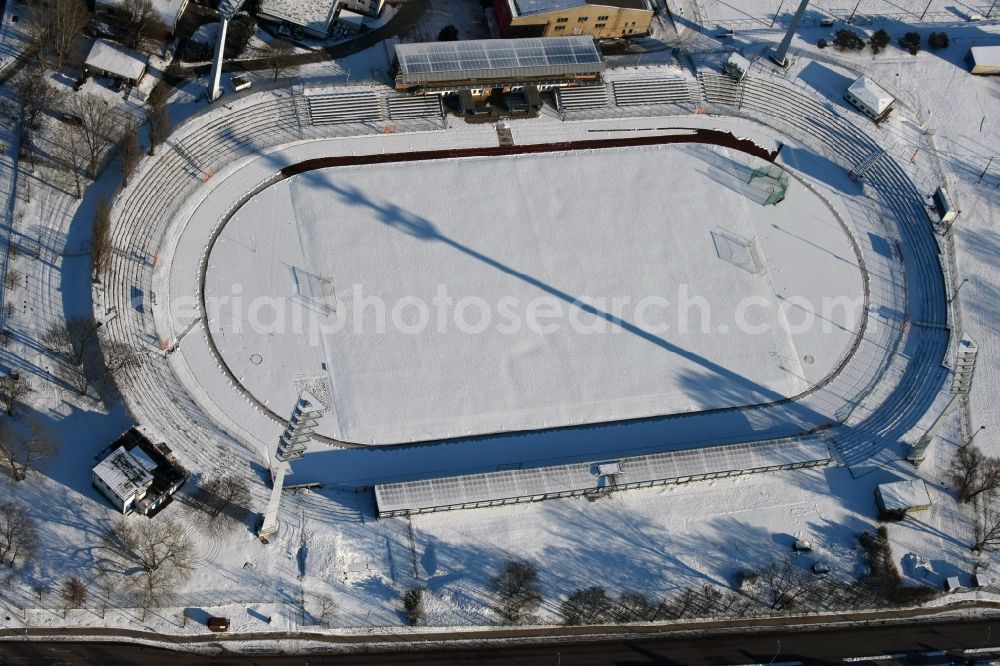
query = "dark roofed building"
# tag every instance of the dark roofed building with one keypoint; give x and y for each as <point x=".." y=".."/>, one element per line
<point x="600" y="19"/>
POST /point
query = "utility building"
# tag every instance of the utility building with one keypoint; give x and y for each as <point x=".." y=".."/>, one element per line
<point x="600" y="19"/>
<point x="984" y="59"/>
<point x="135" y="475"/>
<point x="869" y="98"/>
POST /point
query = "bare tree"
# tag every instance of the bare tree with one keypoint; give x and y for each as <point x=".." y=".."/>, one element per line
<point x="159" y="550"/>
<point x="75" y="339"/>
<point x="227" y="495"/>
<point x="67" y="19"/>
<point x="74" y="593"/>
<point x="323" y="611"/>
<point x="988" y="531"/>
<point x="13" y="388"/>
<point x="71" y="150"/>
<point x="974" y="473"/>
<point x="36" y="93"/>
<point x="517" y="590"/>
<point x="100" y="242"/>
<point x="99" y="126"/>
<point x="782" y="583"/>
<point x="589" y="605"/>
<point x="144" y="27"/>
<point x="40" y="587"/>
<point x="277" y="57"/>
<point x="18" y="536"/>
<point x="129" y="150"/>
<point x="118" y="358"/>
<point x="635" y="607"/>
<point x="21" y="452"/>
<point x="157" y="117"/>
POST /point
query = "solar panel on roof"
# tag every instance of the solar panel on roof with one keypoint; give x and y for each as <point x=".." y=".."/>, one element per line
<point x="479" y="56"/>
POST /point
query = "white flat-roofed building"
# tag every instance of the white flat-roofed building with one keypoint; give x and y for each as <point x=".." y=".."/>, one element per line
<point x="136" y="476"/>
<point x="115" y="61"/>
<point x="869" y="98"/>
<point x="984" y="60"/>
<point x="123" y="478"/>
<point x="902" y="497"/>
<point x="316" y="17"/>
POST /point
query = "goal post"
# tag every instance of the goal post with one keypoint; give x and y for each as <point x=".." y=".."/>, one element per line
<point x="770" y="182"/>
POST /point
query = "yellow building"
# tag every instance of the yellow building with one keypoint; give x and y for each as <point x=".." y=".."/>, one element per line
<point x="601" y="19"/>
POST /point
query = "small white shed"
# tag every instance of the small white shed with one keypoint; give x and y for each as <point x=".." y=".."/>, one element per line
<point x="737" y="66"/>
<point x="869" y="98"/>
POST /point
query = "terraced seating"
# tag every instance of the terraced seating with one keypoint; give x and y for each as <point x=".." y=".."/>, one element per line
<point x="140" y="217"/>
<point x="884" y="412"/>
<point x="414" y="106"/>
<point x="345" y="107"/>
<point x="645" y="92"/>
<point x="921" y="375"/>
<point x="583" y="97"/>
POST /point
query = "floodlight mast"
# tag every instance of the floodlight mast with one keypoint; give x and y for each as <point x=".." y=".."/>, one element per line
<point x="227" y="9"/>
<point x="780" y="54"/>
<point x="291" y="446"/>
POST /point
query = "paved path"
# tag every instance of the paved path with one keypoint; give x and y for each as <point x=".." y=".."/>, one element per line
<point x="912" y="642"/>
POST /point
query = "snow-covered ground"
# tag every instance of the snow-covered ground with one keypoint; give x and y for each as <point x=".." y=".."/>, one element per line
<point x="544" y="239"/>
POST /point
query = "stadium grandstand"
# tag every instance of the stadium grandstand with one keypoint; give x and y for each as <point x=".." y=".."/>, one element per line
<point x="480" y="67"/>
<point x="595" y="479"/>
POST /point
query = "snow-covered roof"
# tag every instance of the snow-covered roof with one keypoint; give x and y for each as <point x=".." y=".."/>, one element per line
<point x="986" y="56"/>
<point x="116" y="59"/>
<point x="670" y="467"/>
<point x="481" y="58"/>
<point x="736" y="60"/>
<point x="313" y="15"/>
<point x="169" y="10"/>
<point x="352" y="18"/>
<point x="871" y="95"/>
<point x="904" y="495"/>
<point x="124" y="474"/>
<point x="528" y="7"/>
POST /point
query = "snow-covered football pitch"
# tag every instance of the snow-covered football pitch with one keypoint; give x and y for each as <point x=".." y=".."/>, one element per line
<point x="453" y="297"/>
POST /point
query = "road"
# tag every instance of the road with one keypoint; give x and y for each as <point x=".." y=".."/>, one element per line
<point x="927" y="643"/>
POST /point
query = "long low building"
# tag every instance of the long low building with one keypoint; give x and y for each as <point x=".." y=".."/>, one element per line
<point x="594" y="478"/>
<point x="984" y="60"/>
<point x="486" y="64"/>
<point x="601" y="19"/>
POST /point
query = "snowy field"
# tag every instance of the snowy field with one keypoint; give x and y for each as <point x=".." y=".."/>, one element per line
<point x="524" y="340"/>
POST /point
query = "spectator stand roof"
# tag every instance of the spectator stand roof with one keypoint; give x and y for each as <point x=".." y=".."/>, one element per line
<point x="529" y="7"/>
<point x="522" y="485"/>
<point x="431" y="62"/>
<point x="116" y="60"/>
